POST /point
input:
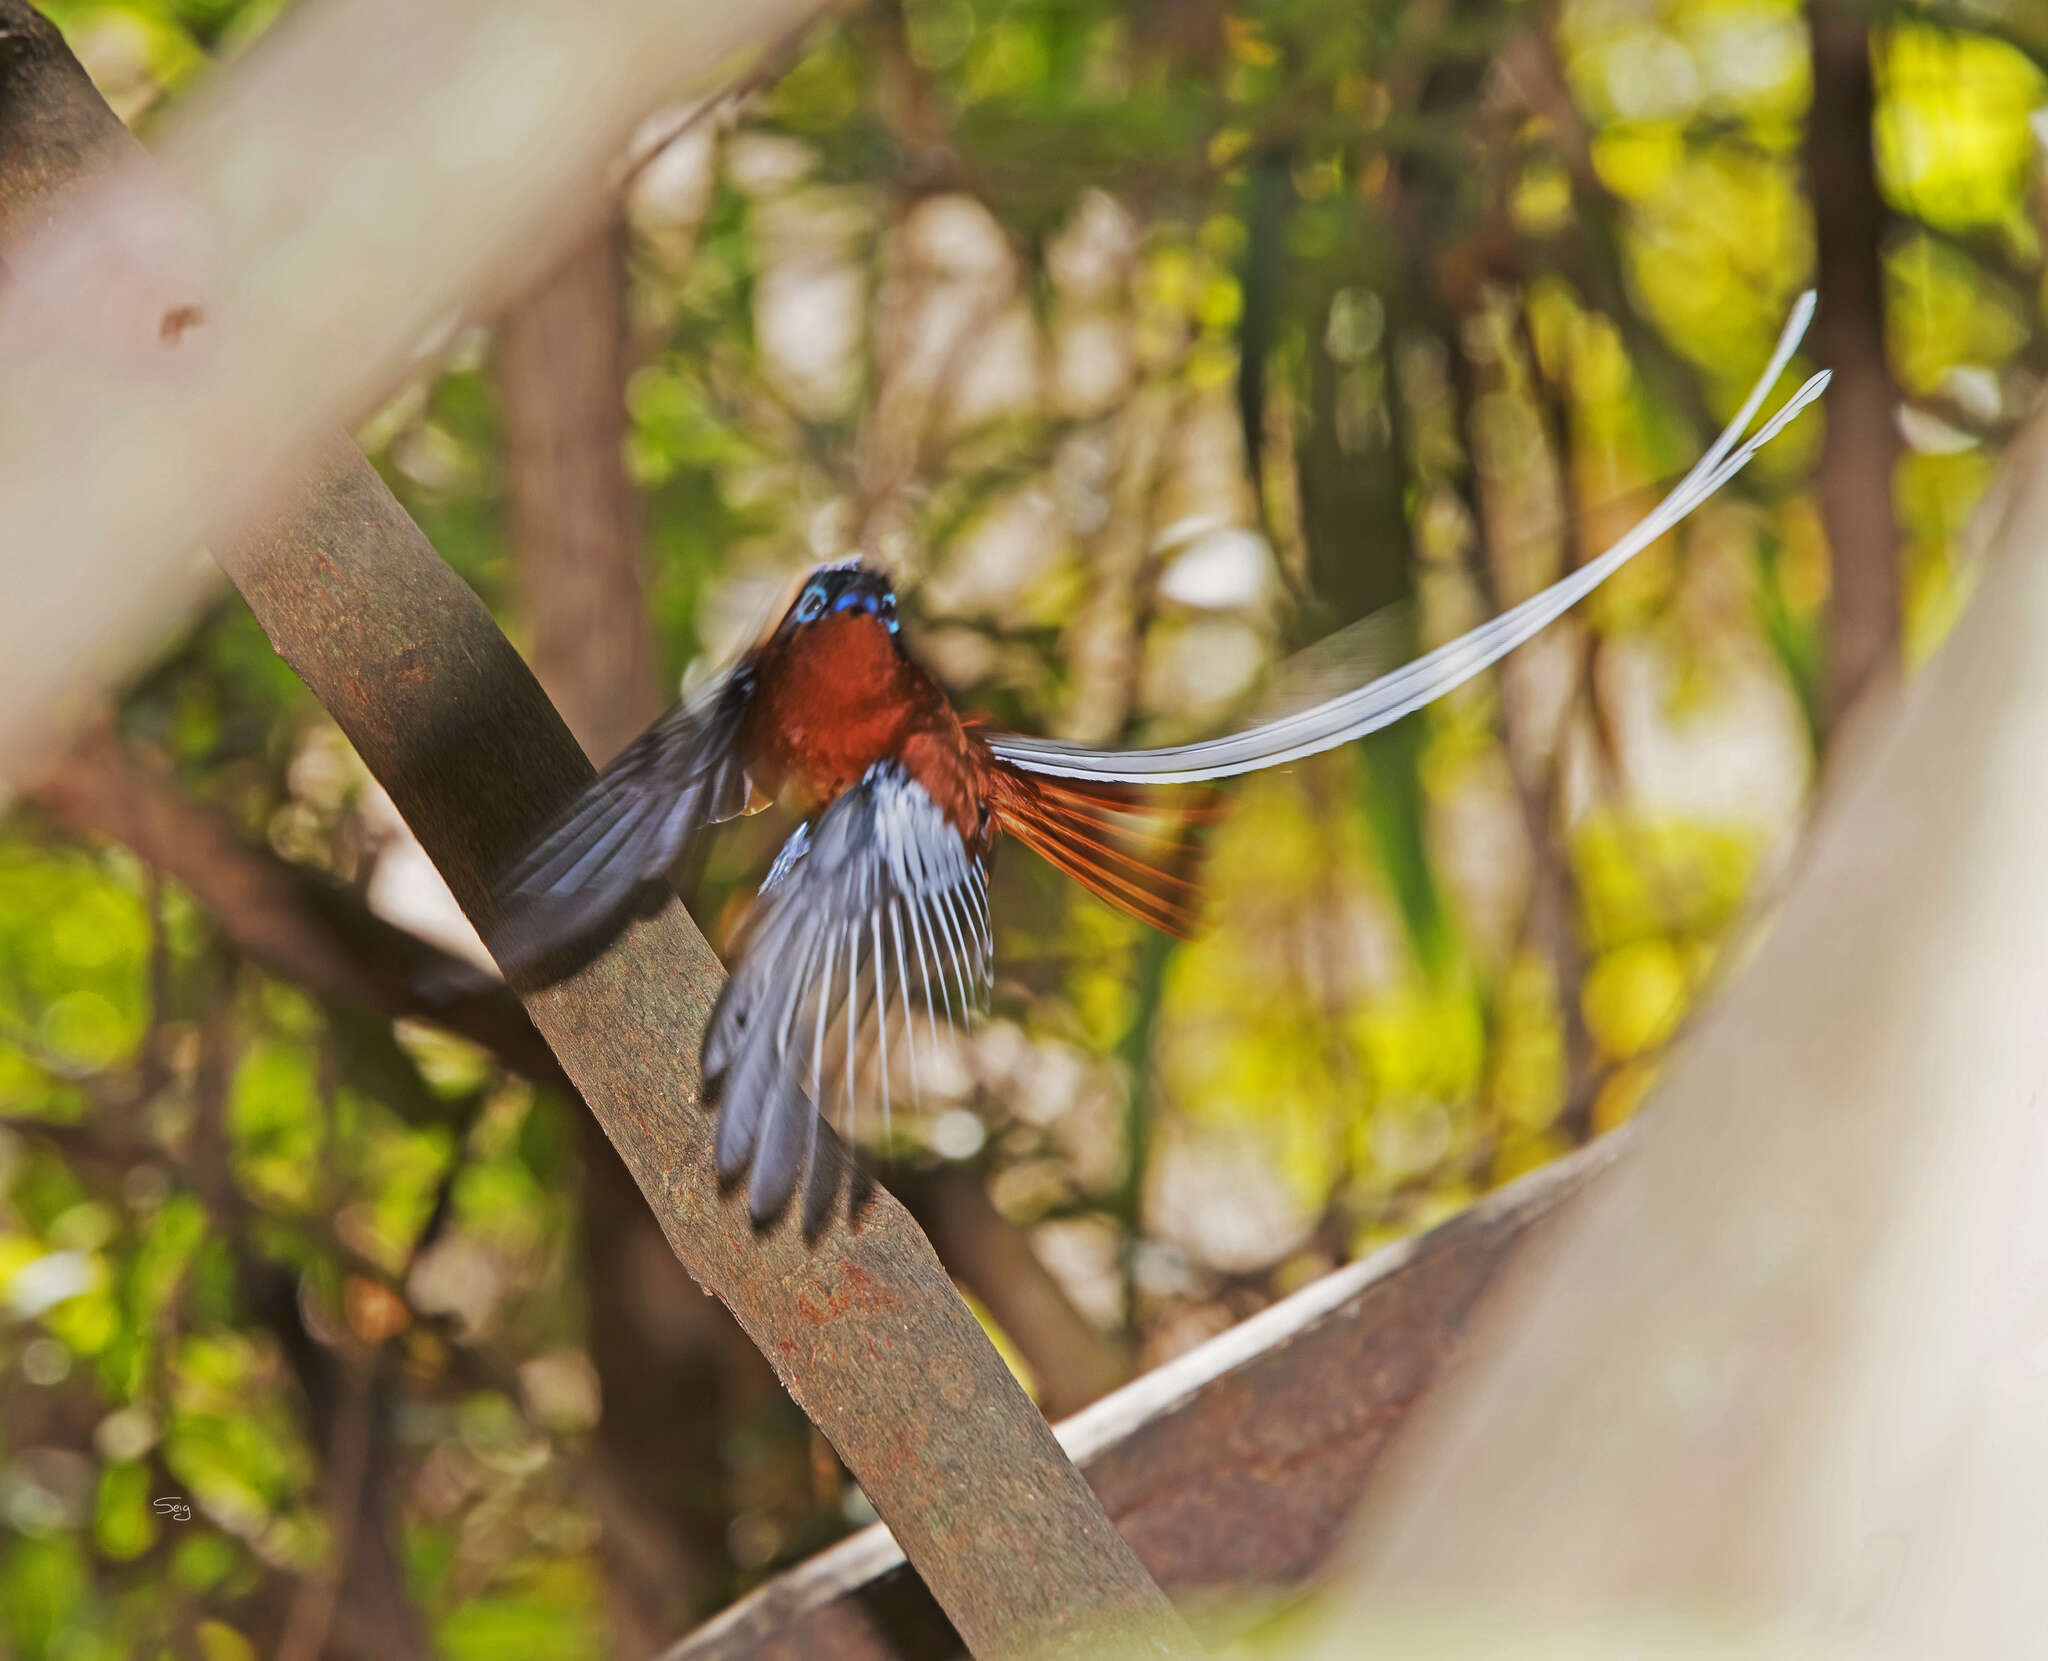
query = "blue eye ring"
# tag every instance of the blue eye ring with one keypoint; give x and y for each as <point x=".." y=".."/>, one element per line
<point x="810" y="605"/>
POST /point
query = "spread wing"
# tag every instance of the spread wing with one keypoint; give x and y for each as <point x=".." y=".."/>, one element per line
<point x="603" y="857"/>
<point x="879" y="903"/>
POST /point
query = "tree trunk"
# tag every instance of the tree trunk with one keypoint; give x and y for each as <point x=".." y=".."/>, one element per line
<point x="670" y="1362"/>
<point x="575" y="517"/>
<point x="1862" y="444"/>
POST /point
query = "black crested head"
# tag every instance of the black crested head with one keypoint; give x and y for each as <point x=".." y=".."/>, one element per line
<point x="832" y="590"/>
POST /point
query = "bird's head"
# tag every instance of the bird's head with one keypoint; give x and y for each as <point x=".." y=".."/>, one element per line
<point x="834" y="590"/>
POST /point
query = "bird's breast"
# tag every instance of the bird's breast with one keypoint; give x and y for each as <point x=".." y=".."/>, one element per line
<point x="837" y="697"/>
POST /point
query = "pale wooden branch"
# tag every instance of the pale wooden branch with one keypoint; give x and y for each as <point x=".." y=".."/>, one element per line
<point x="318" y="218"/>
<point x="1235" y="1469"/>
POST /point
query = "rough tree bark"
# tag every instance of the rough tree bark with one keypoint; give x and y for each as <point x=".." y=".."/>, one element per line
<point x="863" y="1327"/>
<point x="1862" y="444"/>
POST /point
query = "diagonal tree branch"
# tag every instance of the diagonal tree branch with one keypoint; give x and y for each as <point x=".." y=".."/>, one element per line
<point x="863" y="1327"/>
<point x="317" y="934"/>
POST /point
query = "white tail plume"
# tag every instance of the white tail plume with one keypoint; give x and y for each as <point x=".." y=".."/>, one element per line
<point x="1385" y="700"/>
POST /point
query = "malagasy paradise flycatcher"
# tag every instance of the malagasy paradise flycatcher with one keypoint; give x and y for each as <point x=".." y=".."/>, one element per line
<point x="879" y="899"/>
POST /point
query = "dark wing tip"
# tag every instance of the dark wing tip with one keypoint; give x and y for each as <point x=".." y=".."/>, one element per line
<point x="541" y="940"/>
<point x="785" y="1147"/>
<point x="821" y="1183"/>
<point x="769" y="1136"/>
<point x="775" y="1143"/>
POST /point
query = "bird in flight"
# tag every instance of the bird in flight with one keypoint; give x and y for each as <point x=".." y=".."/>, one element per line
<point x="878" y="901"/>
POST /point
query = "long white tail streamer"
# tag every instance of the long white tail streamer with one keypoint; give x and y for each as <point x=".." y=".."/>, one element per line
<point x="1381" y="702"/>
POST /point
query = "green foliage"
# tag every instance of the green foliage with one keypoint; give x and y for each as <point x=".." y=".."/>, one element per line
<point x="74" y="945"/>
<point x="46" y="1597"/>
<point x="278" y="1119"/>
<point x="556" y="1616"/>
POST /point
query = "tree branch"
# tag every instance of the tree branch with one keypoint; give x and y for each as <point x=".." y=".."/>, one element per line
<point x="863" y="1326"/>
<point x="290" y="920"/>
<point x="370" y="1614"/>
<point x="1592" y="258"/>
<point x="317" y="934"/>
<point x="575" y="516"/>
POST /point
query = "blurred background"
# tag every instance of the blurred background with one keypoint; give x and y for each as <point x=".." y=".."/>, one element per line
<point x="1147" y="346"/>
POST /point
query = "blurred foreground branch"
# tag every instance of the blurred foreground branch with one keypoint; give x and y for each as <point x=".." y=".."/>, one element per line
<point x="324" y="211"/>
<point x="863" y="1326"/>
<point x="1779" y="1379"/>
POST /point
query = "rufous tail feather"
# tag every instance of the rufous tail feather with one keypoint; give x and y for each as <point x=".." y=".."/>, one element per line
<point x="1130" y="848"/>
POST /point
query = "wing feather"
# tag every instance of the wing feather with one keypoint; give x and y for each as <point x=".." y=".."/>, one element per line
<point x="813" y="960"/>
<point x="599" y="861"/>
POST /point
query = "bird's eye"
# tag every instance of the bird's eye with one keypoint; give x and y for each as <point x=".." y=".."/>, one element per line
<point x="811" y="606"/>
